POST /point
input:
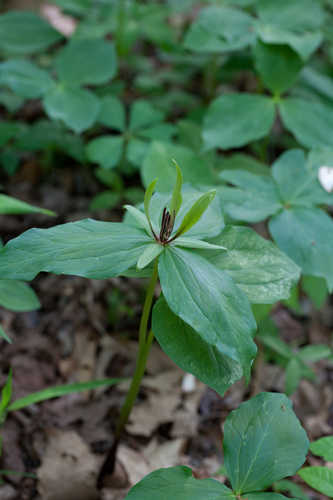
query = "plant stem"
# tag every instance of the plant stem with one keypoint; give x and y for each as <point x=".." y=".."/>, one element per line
<point x="145" y="341"/>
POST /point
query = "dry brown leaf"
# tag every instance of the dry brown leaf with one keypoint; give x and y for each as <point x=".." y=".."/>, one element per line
<point x="69" y="470"/>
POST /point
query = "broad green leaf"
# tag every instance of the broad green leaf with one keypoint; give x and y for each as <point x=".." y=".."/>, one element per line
<point x="3" y="335"/>
<point x="323" y="447"/>
<point x="83" y="62"/>
<point x="319" y="478"/>
<point x="146" y="203"/>
<point x="77" y="108"/>
<point x="296" y="24"/>
<point x="300" y="15"/>
<point x="293" y="376"/>
<point x="17" y="296"/>
<point x="143" y="114"/>
<point x="310" y="121"/>
<point x="210" y="224"/>
<point x="176" y="199"/>
<point x="263" y="442"/>
<point x="60" y="390"/>
<point x="254" y="199"/>
<point x="207" y="300"/>
<point x="88" y="248"/>
<point x="303" y="43"/>
<point x="240" y="161"/>
<point x="23" y="32"/>
<point x="297" y="183"/>
<point x="140" y="218"/>
<point x="25" y="79"/>
<point x="277" y="65"/>
<point x="178" y="483"/>
<point x="195" y="212"/>
<point x="220" y="29"/>
<point x="306" y="236"/>
<point x="158" y="163"/>
<point x="149" y="254"/>
<point x="105" y="150"/>
<point x="256" y="265"/>
<point x="112" y="113"/>
<point x="191" y="352"/>
<point x="234" y="120"/>
<point x="9" y="205"/>
<point x="193" y="243"/>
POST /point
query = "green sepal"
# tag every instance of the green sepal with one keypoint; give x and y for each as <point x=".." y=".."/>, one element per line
<point x="176" y="199"/>
<point x="149" y="254"/>
<point x="146" y="202"/>
<point x="195" y="212"/>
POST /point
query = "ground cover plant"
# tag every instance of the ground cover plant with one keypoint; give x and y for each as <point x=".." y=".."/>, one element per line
<point x="198" y="136"/>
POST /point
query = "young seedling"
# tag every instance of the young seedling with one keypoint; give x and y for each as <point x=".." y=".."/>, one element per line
<point x="263" y="442"/>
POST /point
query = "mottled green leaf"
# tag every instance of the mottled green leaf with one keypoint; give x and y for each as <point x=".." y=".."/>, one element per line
<point x="256" y="265"/>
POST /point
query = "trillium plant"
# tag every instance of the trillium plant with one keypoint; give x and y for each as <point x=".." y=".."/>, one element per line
<point x="209" y="275"/>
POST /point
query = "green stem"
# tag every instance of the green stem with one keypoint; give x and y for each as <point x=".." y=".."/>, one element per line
<point x="145" y="341"/>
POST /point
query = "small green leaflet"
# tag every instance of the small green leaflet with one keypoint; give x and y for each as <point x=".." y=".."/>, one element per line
<point x="319" y="478"/>
<point x="147" y="199"/>
<point x="176" y="199"/>
<point x="60" y="390"/>
<point x="149" y="254"/>
<point x="323" y="447"/>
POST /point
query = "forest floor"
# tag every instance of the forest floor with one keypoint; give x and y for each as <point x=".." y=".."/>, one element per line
<point x="87" y="329"/>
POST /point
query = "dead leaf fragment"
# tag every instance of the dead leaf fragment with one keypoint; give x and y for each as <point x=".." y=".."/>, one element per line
<point x="69" y="469"/>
